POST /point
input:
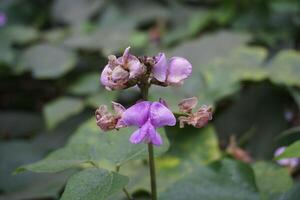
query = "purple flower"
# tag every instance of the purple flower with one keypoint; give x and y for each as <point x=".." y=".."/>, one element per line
<point x="290" y="162"/>
<point x="173" y="71"/>
<point x="148" y="116"/>
<point x="3" y="19"/>
<point x="118" y="73"/>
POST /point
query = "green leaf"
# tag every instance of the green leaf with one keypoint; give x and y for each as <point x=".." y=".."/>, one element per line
<point x="19" y="34"/>
<point x="47" y="61"/>
<point x="227" y="180"/>
<point x="60" y="109"/>
<point x="101" y="98"/>
<point x="74" y="11"/>
<point x="197" y="145"/>
<point x="93" y="184"/>
<point x="209" y="47"/>
<point x="22" y="34"/>
<point x="86" y="84"/>
<point x="296" y="95"/>
<point x="27" y="185"/>
<point x="292" y="194"/>
<point x="28" y="123"/>
<point x="284" y="68"/>
<point x="292" y="151"/>
<point x="90" y="145"/>
<point x="271" y="180"/>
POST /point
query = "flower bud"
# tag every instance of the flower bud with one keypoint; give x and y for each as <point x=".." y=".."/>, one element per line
<point x="173" y="71"/>
<point x="107" y="121"/>
<point x="186" y="105"/>
<point x="121" y="72"/>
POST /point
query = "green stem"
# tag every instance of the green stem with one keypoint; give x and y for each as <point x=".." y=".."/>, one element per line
<point x="152" y="172"/>
<point x="144" y="87"/>
<point x="124" y="189"/>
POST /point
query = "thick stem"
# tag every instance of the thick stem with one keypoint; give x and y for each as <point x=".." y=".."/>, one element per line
<point x="152" y="172"/>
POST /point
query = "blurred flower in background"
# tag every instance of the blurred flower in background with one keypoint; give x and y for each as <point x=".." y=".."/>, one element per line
<point x="3" y="19"/>
<point x="288" y="162"/>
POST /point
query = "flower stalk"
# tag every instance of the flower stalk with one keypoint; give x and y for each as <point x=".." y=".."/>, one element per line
<point x="144" y="88"/>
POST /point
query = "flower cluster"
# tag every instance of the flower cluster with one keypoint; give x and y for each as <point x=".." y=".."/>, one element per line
<point x="129" y="70"/>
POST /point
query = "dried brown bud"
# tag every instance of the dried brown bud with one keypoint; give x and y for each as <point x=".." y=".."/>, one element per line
<point x="197" y="119"/>
<point x="107" y="121"/>
<point x="186" y="105"/>
<point x="237" y="152"/>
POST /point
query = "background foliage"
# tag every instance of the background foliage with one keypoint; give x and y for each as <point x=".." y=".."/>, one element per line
<point x="246" y="63"/>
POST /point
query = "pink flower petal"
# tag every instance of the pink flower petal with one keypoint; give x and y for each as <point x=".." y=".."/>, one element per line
<point x="137" y="137"/>
<point x="125" y="55"/>
<point x="105" y="75"/>
<point x="137" y="115"/>
<point x="160" y="68"/>
<point x="156" y="139"/>
<point x="179" y="70"/>
<point x="160" y="115"/>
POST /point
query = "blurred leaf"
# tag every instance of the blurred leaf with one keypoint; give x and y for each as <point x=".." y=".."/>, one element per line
<point x="197" y="145"/>
<point x="208" y="47"/>
<point x="101" y="98"/>
<point x="7" y="54"/>
<point x="227" y="180"/>
<point x="60" y="109"/>
<point x="47" y="61"/>
<point x="293" y="194"/>
<point x="289" y="136"/>
<point x="292" y="151"/>
<point x="18" y="124"/>
<point x="296" y="95"/>
<point x="39" y="186"/>
<point x="284" y="68"/>
<point x="89" y="145"/>
<point x="94" y="184"/>
<point x="74" y="11"/>
<point x="224" y="73"/>
<point x="86" y="84"/>
<point x="256" y="117"/>
<point x="200" y="52"/>
<point x="22" y="34"/>
<point x="27" y="185"/>
<point x="109" y="40"/>
<point x="271" y="180"/>
<point x="19" y="34"/>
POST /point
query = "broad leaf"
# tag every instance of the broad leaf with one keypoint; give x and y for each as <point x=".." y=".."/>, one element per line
<point x="86" y="84"/>
<point x="47" y="61"/>
<point x="227" y="180"/>
<point x="291" y="151"/>
<point x="60" y="109"/>
<point x="285" y="69"/>
<point x="271" y="180"/>
<point x="74" y="11"/>
<point x="90" y="145"/>
<point x="93" y="184"/>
